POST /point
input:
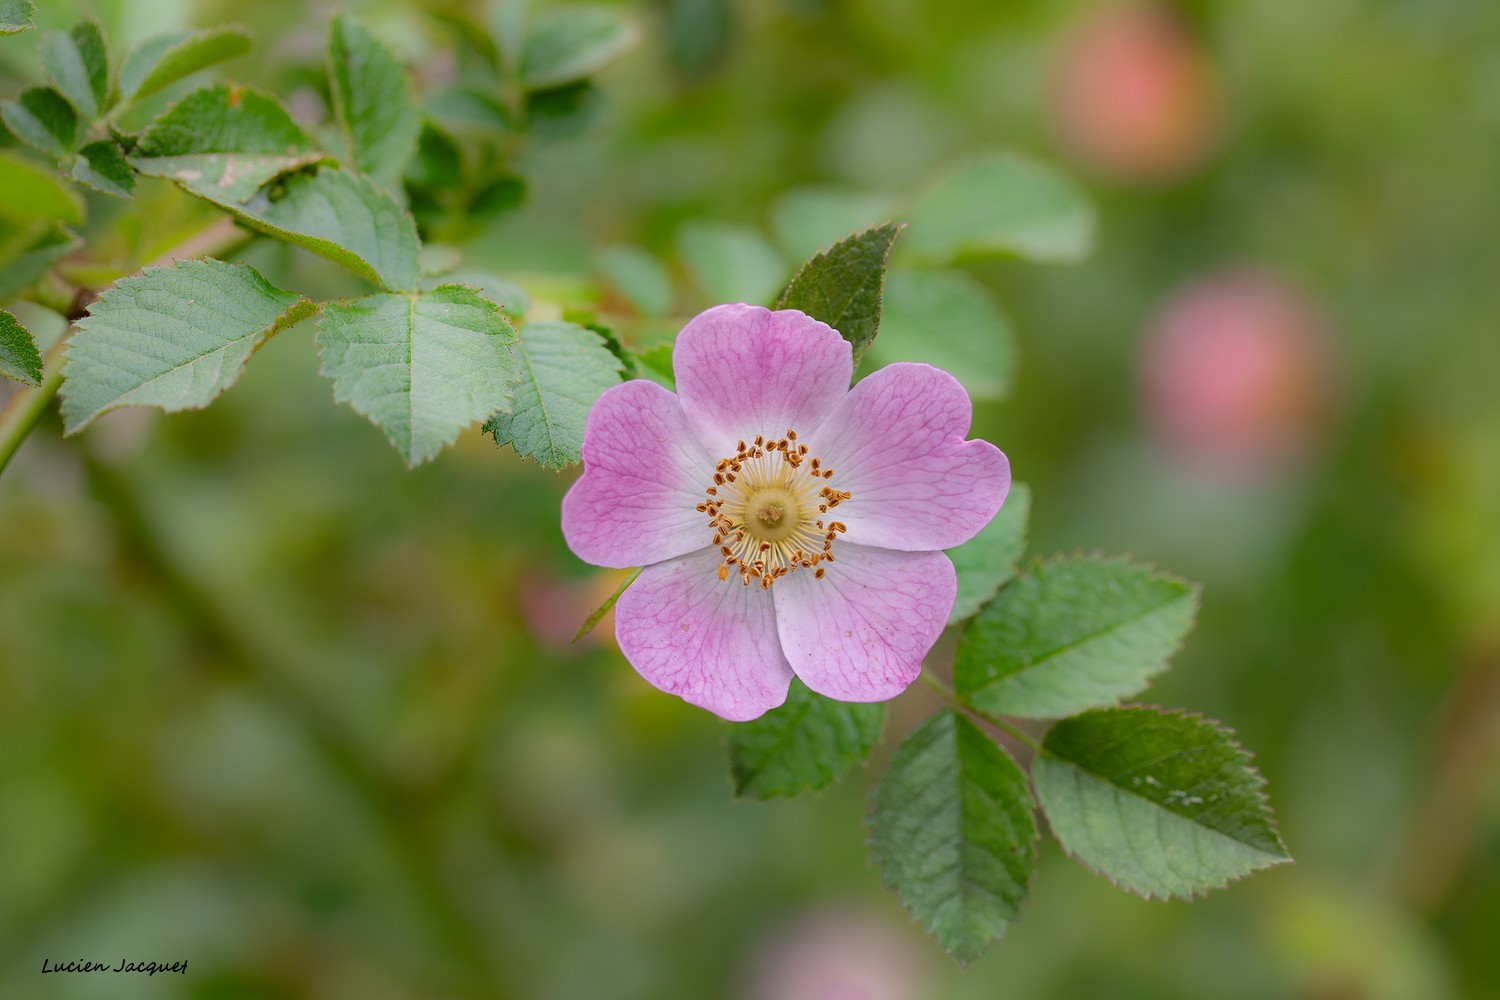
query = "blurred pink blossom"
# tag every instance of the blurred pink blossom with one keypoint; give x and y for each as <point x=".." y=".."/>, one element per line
<point x="839" y="956"/>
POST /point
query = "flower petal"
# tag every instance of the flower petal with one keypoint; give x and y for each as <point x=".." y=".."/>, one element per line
<point x="744" y="370"/>
<point x="711" y="643"/>
<point x="644" y="473"/>
<point x="860" y="633"/>
<point x="897" y="443"/>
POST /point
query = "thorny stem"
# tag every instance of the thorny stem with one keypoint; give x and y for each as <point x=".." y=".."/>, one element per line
<point x="27" y="407"/>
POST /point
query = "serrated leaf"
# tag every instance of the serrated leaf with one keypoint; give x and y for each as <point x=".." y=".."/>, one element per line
<point x="421" y="367"/>
<point x="162" y="60"/>
<point x="28" y="250"/>
<point x="102" y="166"/>
<point x="43" y="119"/>
<point x="952" y="827"/>
<point x="1073" y="634"/>
<point x="564" y="370"/>
<point x="509" y="296"/>
<point x="1161" y="803"/>
<point x="77" y="63"/>
<point x="948" y="320"/>
<point x="16" y="16"/>
<point x="563" y="112"/>
<point x="639" y="277"/>
<point x="809" y="219"/>
<point x="172" y="337"/>
<point x="655" y="363"/>
<point x="842" y="286"/>
<point x="34" y="193"/>
<point x="804" y="745"/>
<point x="19" y="358"/>
<point x="224" y="143"/>
<point x="371" y="101"/>
<point x="344" y="217"/>
<point x="987" y="560"/>
<point x="573" y="41"/>
<point x="1003" y="203"/>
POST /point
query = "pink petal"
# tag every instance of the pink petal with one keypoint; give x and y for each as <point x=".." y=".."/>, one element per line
<point x="743" y="370"/>
<point x="644" y="473"/>
<point x="710" y="642"/>
<point x="897" y="443"/>
<point x="860" y="633"/>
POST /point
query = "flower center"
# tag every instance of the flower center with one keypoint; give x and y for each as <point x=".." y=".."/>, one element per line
<point x="767" y="506"/>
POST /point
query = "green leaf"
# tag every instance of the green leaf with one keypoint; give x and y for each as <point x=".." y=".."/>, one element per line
<point x="564" y="370"/>
<point x="809" y="219"/>
<point x="172" y="337"/>
<point x="16" y="16"/>
<point x="949" y="320"/>
<point x="224" y="143"/>
<point x="985" y="562"/>
<point x="77" y="63"/>
<point x="19" y="358"/>
<point x="344" y="217"/>
<point x="43" y="119"/>
<point x="655" y="363"/>
<point x="806" y="744"/>
<point x="28" y="250"/>
<point x="953" y="827"/>
<point x="639" y="277"/>
<point x="509" y="296"/>
<point x="597" y="615"/>
<point x="162" y="60"/>
<point x="421" y="367"/>
<point x="371" y="101"/>
<point x="1003" y="203"/>
<point x="1072" y="634"/>
<point x="1160" y="803"/>
<point x="730" y="263"/>
<point x="570" y="42"/>
<point x="842" y="285"/>
<point x="102" y="166"/>
<point x="34" y="193"/>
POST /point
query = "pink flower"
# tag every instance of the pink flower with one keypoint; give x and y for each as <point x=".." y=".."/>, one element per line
<point x="787" y="523"/>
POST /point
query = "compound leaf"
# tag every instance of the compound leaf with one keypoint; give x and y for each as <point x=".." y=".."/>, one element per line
<point x="804" y="745"/>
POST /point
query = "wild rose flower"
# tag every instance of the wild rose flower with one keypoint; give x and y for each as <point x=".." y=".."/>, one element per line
<point x="787" y="523"/>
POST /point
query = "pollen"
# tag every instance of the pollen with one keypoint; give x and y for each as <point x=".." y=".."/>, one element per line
<point x="766" y="508"/>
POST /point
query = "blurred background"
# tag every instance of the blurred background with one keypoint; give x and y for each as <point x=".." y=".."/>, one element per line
<point x="274" y="705"/>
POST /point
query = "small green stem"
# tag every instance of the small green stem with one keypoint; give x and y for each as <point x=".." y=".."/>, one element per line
<point x="1008" y="728"/>
<point x="26" y="408"/>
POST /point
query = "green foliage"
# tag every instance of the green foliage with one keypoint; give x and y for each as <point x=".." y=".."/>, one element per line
<point x="806" y="744"/>
<point x="639" y="277"/>
<point x="1003" y="203"/>
<point x="371" y="101"/>
<point x="807" y="220"/>
<point x="842" y="285"/>
<point x="985" y="562"/>
<point x="421" y="367"/>
<point x="572" y="41"/>
<point x="172" y="337"/>
<point x="162" y="60"/>
<point x="731" y="263"/>
<point x="102" y="166"/>
<point x="564" y="369"/>
<point x="28" y="250"/>
<point x="1070" y="635"/>
<point x="224" y="143"/>
<point x="1161" y="803"/>
<point x="77" y="63"/>
<point x="19" y="358"/>
<point x="344" y="217"/>
<point x="952" y="827"/>
<point x="655" y="363"/>
<point x="16" y="16"/>
<point x="947" y="319"/>
<point x="43" y="119"/>
<point x="34" y="193"/>
<point x="509" y="296"/>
